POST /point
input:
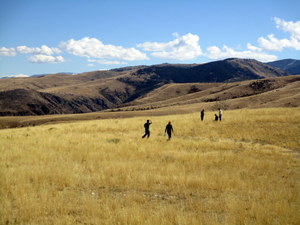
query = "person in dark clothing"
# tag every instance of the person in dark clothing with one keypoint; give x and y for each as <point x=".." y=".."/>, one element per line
<point x="216" y="117"/>
<point x="147" y="129"/>
<point x="202" y="115"/>
<point x="169" y="130"/>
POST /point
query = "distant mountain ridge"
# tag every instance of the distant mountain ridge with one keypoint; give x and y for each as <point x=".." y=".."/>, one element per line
<point x="291" y="66"/>
<point x="228" y="70"/>
<point x="100" y="90"/>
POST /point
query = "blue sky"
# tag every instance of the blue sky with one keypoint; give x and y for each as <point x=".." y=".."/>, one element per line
<point x="43" y="36"/>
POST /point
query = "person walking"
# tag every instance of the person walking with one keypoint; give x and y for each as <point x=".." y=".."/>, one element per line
<point x="220" y="114"/>
<point x="169" y="130"/>
<point x="147" y="129"/>
<point x="202" y="115"/>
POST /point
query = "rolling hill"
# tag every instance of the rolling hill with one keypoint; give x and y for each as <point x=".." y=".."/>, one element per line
<point x="292" y="66"/>
<point x="269" y="92"/>
<point x="140" y="87"/>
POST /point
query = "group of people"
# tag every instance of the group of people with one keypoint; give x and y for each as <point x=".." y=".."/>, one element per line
<point x="169" y="128"/>
<point x="217" y="116"/>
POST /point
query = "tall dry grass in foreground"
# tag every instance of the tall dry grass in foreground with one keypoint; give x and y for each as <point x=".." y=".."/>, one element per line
<point x="243" y="170"/>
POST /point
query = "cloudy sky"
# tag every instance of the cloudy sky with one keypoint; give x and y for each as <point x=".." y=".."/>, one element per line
<point x="51" y="36"/>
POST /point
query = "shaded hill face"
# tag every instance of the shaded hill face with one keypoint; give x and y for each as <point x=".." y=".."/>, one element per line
<point x="100" y="90"/>
<point x="292" y="66"/>
<point x="229" y="70"/>
<point x="22" y="102"/>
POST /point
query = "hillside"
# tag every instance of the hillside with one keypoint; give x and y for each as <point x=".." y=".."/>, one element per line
<point x="270" y="92"/>
<point x="186" y="98"/>
<point x="292" y="66"/>
<point x="100" y="90"/>
<point x="228" y="70"/>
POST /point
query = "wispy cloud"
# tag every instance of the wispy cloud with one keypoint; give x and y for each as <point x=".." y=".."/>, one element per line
<point x="185" y="47"/>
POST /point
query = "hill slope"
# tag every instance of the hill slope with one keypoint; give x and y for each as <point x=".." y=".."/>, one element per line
<point x="228" y="70"/>
<point x="269" y="92"/>
<point x="98" y="90"/>
<point x="292" y="66"/>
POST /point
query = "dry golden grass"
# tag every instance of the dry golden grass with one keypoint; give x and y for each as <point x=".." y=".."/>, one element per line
<point x="243" y="170"/>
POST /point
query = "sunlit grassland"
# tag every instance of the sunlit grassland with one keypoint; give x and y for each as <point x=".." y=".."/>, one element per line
<point x="243" y="170"/>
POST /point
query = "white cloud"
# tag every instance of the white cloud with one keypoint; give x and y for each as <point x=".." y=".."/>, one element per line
<point x="43" y="50"/>
<point x="272" y="43"/>
<point x="111" y="62"/>
<point x="289" y="26"/>
<point x="46" y="59"/>
<point x="185" y="47"/>
<point x="94" y="48"/>
<point x="24" y="49"/>
<point x="7" y="51"/>
<point x="253" y="48"/>
<point x="108" y="62"/>
<point x="60" y="59"/>
<point x="16" y="75"/>
<point x="42" y="54"/>
<point x="215" y="52"/>
<point x="176" y="34"/>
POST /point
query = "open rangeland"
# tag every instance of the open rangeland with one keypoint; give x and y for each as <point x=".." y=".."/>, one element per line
<point x="242" y="170"/>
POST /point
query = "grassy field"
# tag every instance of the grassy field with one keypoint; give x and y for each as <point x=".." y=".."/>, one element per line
<point x="243" y="170"/>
